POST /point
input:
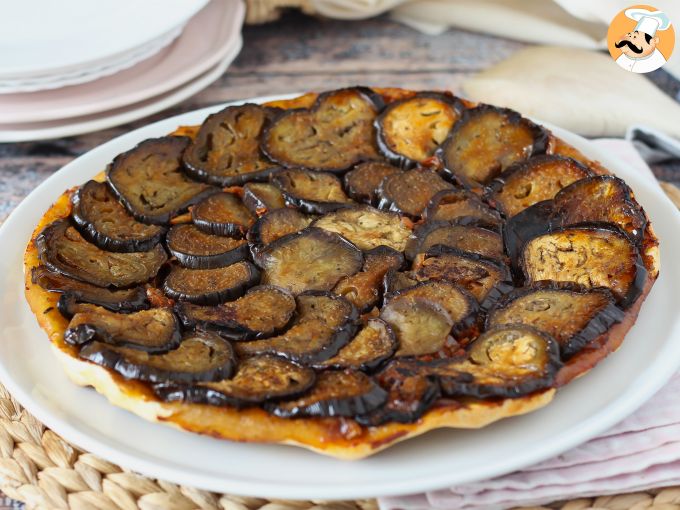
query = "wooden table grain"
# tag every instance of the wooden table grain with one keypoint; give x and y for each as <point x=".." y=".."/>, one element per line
<point x="295" y="54"/>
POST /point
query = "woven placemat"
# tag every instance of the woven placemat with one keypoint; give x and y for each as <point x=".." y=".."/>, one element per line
<point x="46" y="472"/>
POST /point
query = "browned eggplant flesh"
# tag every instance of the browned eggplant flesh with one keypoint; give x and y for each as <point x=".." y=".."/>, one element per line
<point x="474" y="273"/>
<point x="336" y="133"/>
<point x="410" y="130"/>
<point x="364" y="289"/>
<point x="324" y="323"/>
<point x="312" y="259"/>
<point x="363" y="182"/>
<point x="116" y="300"/>
<point x="64" y="250"/>
<point x="257" y="380"/>
<point x="150" y="182"/>
<point x="487" y="140"/>
<point x="602" y="198"/>
<point x="226" y="150"/>
<point x="201" y="356"/>
<point x="574" y="317"/>
<point x="312" y="192"/>
<point x="596" y="255"/>
<point x="262" y="197"/>
<point x="461" y="206"/>
<point x="103" y="221"/>
<point x="410" y="192"/>
<point x="155" y="330"/>
<point x="196" y="249"/>
<point x="534" y="180"/>
<point x="468" y="238"/>
<point x="335" y="393"/>
<point x="367" y="227"/>
<point x="210" y="286"/>
<point x="506" y="361"/>
<point x="222" y="214"/>
<point x="262" y="312"/>
<point x="372" y="345"/>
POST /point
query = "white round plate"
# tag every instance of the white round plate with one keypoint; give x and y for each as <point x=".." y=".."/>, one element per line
<point x="87" y="124"/>
<point x="586" y="407"/>
<point x="205" y="41"/>
<point x="42" y="37"/>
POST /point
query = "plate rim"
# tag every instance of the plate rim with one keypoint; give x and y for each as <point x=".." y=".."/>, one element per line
<point x="649" y="380"/>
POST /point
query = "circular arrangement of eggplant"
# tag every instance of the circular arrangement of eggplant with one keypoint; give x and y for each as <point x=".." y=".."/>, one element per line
<point x="353" y="258"/>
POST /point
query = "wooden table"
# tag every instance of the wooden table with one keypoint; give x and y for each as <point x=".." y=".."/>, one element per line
<point x="296" y="54"/>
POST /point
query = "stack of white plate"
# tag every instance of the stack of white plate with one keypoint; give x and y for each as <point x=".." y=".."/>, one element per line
<point x="75" y="66"/>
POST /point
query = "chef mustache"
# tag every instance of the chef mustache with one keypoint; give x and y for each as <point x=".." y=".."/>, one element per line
<point x="626" y="42"/>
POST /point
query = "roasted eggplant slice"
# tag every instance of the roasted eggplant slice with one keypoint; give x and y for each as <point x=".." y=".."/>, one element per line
<point x="335" y="393"/>
<point x="118" y="300"/>
<point x="601" y="198"/>
<point x="262" y="197"/>
<point x="467" y="238"/>
<point x="155" y="330"/>
<point x="409" y="393"/>
<point x="336" y="133"/>
<point x="410" y="192"/>
<point x="367" y="227"/>
<point x="371" y="346"/>
<point x="461" y="206"/>
<point x="572" y="316"/>
<point x="311" y="259"/>
<point x="534" y="180"/>
<point x="487" y="140"/>
<point x="363" y="182"/>
<point x="274" y="225"/>
<point x="363" y="289"/>
<point x="103" y="221"/>
<point x="398" y="280"/>
<point x="210" y="286"/>
<point x="262" y="312"/>
<point x="410" y="130"/>
<point x="324" y="323"/>
<point x="195" y="249"/>
<point x="200" y="357"/>
<point x="505" y="362"/>
<point x="226" y="150"/>
<point x="257" y="380"/>
<point x="476" y="274"/>
<point x="63" y="250"/>
<point x="222" y="214"/>
<point x="150" y="183"/>
<point x="313" y="192"/>
<point x="592" y="255"/>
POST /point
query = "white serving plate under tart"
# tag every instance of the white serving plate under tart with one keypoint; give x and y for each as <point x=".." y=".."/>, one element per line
<point x="588" y="406"/>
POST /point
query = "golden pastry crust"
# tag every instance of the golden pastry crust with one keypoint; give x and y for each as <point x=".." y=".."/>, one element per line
<point x="337" y="437"/>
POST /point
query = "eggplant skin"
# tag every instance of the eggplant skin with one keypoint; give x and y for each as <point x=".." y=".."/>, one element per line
<point x="106" y="223"/>
<point x="62" y="249"/>
<point x="335" y="393"/>
<point x="363" y="181"/>
<point x="149" y="181"/>
<point x="226" y="149"/>
<point x="574" y="316"/>
<point x="410" y="130"/>
<point x="474" y="153"/>
<point x="215" y="360"/>
<point x="332" y="136"/>
<point x="195" y="249"/>
<point x="121" y="300"/>
<point x="258" y="379"/>
<point x="155" y="331"/>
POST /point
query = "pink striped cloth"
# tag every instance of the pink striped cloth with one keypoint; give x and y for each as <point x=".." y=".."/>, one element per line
<point x="641" y="452"/>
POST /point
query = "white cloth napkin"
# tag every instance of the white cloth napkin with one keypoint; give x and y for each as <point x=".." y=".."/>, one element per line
<point x="641" y="452"/>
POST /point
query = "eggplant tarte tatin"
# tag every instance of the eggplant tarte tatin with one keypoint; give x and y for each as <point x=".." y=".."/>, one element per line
<point x="341" y="271"/>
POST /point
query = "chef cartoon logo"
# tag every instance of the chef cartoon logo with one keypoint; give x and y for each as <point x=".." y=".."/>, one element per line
<point x="641" y="38"/>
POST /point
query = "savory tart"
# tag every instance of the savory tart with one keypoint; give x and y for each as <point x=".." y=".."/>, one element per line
<point x="341" y="271"/>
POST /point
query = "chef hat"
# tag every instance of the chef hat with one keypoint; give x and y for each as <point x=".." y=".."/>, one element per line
<point x="649" y="21"/>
